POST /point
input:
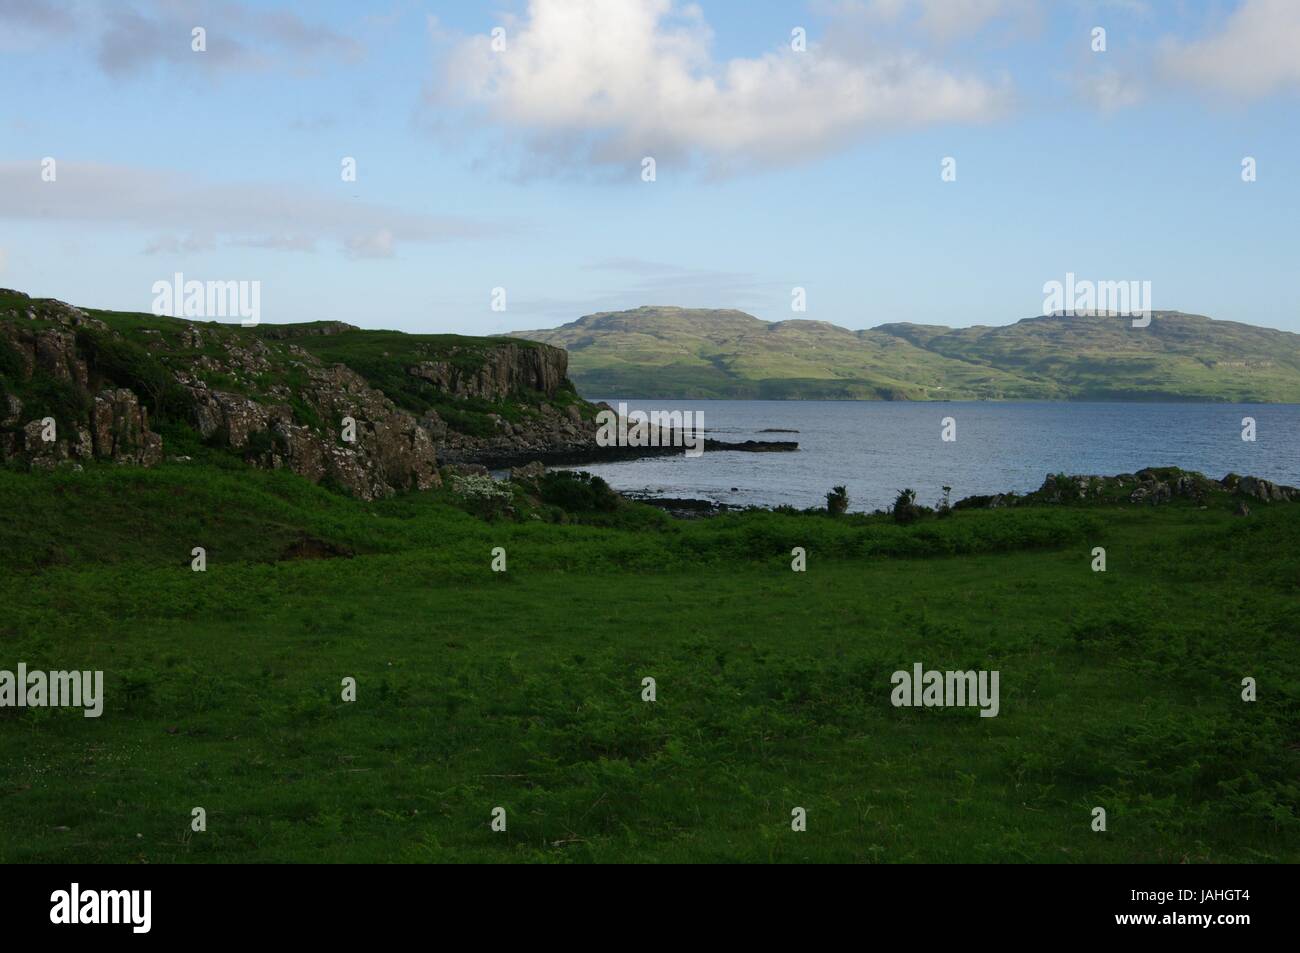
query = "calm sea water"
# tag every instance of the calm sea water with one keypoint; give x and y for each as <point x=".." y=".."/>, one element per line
<point x="877" y="448"/>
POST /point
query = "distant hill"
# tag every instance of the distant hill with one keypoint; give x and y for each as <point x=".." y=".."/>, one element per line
<point x="669" y="352"/>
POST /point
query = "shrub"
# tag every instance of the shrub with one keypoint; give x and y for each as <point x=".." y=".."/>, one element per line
<point x="127" y="364"/>
<point x="577" y="492"/>
<point x="945" y="502"/>
<point x="482" y="495"/>
<point x="260" y="443"/>
<point x="11" y="362"/>
<point x="837" y="501"/>
<point x="905" y="508"/>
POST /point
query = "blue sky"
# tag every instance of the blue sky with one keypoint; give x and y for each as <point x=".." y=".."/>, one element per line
<point x="775" y="168"/>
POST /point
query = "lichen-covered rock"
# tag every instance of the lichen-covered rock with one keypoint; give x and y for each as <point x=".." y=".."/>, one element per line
<point x="551" y="434"/>
<point x="1266" y="490"/>
<point x="528" y="474"/>
<point x="11" y="410"/>
<point x="389" y="451"/>
<point x="1151" y="486"/>
<point x="119" y="430"/>
<point x="41" y="454"/>
<point x="114" y="425"/>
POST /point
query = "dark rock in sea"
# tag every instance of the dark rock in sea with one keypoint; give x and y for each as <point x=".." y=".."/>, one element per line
<point x="578" y="452"/>
<point x="753" y="446"/>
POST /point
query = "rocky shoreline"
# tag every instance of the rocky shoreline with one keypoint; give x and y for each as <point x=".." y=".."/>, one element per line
<point x="1151" y="486"/>
<point x="265" y="395"/>
<point x="578" y="453"/>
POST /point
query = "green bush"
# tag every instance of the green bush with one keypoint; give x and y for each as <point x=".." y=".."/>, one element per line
<point x="46" y="396"/>
<point x="11" y="362"/>
<point x="126" y="364"/>
<point x="905" y="509"/>
<point x="578" y="492"/>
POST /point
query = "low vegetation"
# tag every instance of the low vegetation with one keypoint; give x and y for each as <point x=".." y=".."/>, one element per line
<point x="522" y="689"/>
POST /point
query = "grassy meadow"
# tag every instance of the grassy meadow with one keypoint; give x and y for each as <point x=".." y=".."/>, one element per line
<point x="522" y="689"/>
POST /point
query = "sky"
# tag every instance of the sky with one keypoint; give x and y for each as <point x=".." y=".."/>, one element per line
<point x="501" y="180"/>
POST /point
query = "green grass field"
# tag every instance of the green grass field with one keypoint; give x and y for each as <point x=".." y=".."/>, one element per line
<point x="522" y="689"/>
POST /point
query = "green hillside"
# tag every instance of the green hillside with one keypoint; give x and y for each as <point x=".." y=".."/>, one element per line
<point x="681" y="353"/>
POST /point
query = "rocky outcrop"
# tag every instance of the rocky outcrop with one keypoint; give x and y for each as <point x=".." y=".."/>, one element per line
<point x="119" y="430"/>
<point x="356" y="439"/>
<point x="497" y="373"/>
<point x="552" y="435"/>
<point x="1259" y="489"/>
<point x="269" y="395"/>
<point x="116" y="429"/>
<point x="362" y="441"/>
<point x="88" y="424"/>
<point x="281" y="332"/>
<point x="1151" y="486"/>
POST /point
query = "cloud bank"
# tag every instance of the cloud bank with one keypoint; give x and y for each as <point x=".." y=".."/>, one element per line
<point x="610" y="81"/>
<point x="255" y="215"/>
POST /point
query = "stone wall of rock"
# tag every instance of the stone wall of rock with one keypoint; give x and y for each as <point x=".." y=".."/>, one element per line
<point x="555" y="434"/>
<point x="503" y="371"/>
<point x="389" y="450"/>
<point x="115" y="425"/>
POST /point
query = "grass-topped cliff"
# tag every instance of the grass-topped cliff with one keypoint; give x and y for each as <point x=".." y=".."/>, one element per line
<point x="682" y="353"/>
<point x="136" y="387"/>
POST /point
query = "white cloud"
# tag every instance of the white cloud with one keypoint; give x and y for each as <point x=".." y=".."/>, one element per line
<point x="259" y="215"/>
<point x="4" y="259"/>
<point x="611" y="81"/>
<point x="1256" y="52"/>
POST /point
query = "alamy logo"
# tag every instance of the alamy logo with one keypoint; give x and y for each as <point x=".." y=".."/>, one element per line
<point x="658" y="428"/>
<point x="209" y="299"/>
<point x="52" y="690"/>
<point x="1073" y="298"/>
<point x="933" y="689"/>
<point x="103" y="906"/>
